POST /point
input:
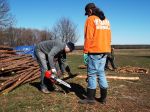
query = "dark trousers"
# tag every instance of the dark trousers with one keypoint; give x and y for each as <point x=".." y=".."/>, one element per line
<point x="111" y="60"/>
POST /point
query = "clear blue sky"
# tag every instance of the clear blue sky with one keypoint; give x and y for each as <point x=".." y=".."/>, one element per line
<point x="130" y="19"/>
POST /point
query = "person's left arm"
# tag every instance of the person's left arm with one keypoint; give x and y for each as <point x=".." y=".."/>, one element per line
<point x="64" y="65"/>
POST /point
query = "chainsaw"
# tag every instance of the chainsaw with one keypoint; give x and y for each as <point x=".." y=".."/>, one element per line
<point x="50" y="75"/>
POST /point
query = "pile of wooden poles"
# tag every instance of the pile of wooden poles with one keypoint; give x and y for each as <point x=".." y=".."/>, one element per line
<point x="125" y="69"/>
<point x="16" y="69"/>
<point x="130" y="69"/>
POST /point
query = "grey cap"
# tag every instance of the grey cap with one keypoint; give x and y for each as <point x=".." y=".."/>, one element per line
<point x="71" y="46"/>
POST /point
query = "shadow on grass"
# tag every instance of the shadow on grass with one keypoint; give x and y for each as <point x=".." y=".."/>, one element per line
<point x="36" y="85"/>
<point x="48" y="84"/>
<point x="76" y="88"/>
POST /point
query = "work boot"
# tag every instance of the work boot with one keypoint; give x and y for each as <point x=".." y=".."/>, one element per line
<point x="103" y="93"/>
<point x="45" y="90"/>
<point x="90" y="97"/>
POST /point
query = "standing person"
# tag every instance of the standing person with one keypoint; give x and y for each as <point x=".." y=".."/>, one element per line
<point x="97" y="41"/>
<point x="111" y="59"/>
<point x="49" y="54"/>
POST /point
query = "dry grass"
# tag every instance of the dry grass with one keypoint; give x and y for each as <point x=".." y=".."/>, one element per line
<point x="123" y="95"/>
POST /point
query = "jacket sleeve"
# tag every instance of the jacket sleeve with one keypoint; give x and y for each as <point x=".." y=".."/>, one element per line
<point x="51" y="54"/>
<point x="88" y="34"/>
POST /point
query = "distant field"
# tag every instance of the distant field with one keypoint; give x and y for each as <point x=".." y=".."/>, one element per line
<point x="123" y="95"/>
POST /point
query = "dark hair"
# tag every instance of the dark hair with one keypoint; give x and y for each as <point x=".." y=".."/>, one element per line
<point x="88" y="7"/>
<point x="98" y="13"/>
<point x="95" y="11"/>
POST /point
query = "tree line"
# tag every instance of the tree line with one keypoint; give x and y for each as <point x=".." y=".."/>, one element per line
<point x="64" y="29"/>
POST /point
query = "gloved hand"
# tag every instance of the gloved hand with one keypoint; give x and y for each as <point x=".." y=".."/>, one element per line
<point x="85" y="58"/>
<point x="54" y="70"/>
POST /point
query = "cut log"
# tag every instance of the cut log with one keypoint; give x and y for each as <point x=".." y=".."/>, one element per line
<point x="112" y="77"/>
<point x="82" y="66"/>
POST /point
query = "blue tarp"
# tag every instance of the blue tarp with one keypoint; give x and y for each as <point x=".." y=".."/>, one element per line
<point x="25" y="50"/>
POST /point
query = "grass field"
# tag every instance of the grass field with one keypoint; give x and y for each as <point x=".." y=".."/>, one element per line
<point x="123" y="95"/>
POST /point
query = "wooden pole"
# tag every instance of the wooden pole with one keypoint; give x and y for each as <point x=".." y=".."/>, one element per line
<point x="112" y="77"/>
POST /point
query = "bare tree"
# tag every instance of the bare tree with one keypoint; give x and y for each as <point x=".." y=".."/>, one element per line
<point x="23" y="36"/>
<point x="6" y="18"/>
<point x="65" y="30"/>
<point x="45" y="35"/>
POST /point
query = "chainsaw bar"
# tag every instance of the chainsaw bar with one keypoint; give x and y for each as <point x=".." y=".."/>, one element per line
<point x="61" y="81"/>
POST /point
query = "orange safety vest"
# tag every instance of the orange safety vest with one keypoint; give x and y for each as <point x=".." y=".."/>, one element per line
<point x="97" y="35"/>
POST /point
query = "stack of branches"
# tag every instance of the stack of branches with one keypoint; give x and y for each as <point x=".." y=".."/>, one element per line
<point x="130" y="69"/>
<point x="16" y="69"/>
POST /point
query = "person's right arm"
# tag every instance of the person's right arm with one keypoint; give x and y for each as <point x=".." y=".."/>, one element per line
<point x="51" y="54"/>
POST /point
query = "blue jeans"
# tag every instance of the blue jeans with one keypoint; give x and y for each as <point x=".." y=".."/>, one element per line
<point x="41" y="58"/>
<point x="96" y="64"/>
